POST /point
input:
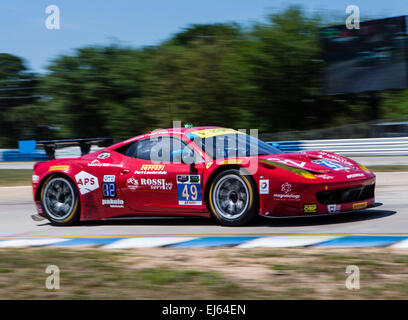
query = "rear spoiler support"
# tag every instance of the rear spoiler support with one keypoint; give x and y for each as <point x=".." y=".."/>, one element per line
<point x="85" y="144"/>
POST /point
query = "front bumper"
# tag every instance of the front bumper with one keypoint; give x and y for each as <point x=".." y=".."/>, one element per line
<point x="321" y="199"/>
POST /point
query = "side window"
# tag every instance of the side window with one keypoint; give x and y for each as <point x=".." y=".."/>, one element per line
<point x="145" y="147"/>
<point x="160" y="149"/>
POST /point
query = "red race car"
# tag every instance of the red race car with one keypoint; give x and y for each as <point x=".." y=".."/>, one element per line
<point x="202" y="171"/>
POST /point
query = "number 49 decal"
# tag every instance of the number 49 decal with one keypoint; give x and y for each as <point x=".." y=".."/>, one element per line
<point x="189" y="190"/>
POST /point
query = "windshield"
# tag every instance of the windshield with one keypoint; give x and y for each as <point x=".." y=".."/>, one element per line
<point x="233" y="145"/>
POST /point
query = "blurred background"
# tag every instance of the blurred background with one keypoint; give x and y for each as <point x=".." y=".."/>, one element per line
<point x="119" y="70"/>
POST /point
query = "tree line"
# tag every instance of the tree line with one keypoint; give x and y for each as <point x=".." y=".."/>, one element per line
<point x="266" y="76"/>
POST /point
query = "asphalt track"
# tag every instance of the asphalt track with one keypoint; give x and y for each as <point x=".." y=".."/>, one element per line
<point x="16" y="206"/>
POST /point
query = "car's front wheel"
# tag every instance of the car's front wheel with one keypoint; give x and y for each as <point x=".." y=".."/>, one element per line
<point x="232" y="198"/>
<point x="60" y="200"/>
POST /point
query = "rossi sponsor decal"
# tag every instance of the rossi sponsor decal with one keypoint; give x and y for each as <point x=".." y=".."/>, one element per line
<point x="58" y="168"/>
<point x="333" y="208"/>
<point x="360" y="205"/>
<point x="156" y="184"/>
<point x="113" y="203"/>
<point x="264" y="186"/>
<point x="189" y="190"/>
<point x="310" y="208"/>
<point x="86" y="182"/>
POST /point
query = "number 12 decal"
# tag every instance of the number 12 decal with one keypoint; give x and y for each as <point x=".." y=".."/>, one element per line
<point x="189" y="190"/>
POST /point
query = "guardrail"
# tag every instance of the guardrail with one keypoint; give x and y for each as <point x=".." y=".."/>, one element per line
<point x="349" y="147"/>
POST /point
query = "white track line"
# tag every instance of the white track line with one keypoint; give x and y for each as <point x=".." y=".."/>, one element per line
<point x="29" y="242"/>
<point x="15" y="187"/>
<point x="146" y="242"/>
<point x="284" y="241"/>
<point x="400" y="244"/>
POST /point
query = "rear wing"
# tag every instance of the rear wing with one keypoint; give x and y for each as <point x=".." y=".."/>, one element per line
<point x="85" y="144"/>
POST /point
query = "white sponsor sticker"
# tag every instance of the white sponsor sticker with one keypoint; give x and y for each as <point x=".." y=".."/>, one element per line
<point x="287" y="196"/>
<point x="109" y="178"/>
<point x="86" y="182"/>
<point x="132" y="183"/>
<point x="97" y="163"/>
<point x="264" y="186"/>
<point x="35" y="178"/>
<point x="113" y="203"/>
<point x="355" y="175"/>
<point x="333" y="208"/>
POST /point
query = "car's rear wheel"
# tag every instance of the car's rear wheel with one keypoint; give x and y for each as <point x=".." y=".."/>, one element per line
<point x="60" y="200"/>
<point x="232" y="198"/>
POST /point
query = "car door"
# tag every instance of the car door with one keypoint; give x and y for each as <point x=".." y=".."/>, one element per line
<point x="149" y="183"/>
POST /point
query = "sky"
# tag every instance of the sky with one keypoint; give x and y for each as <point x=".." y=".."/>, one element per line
<point x="139" y="23"/>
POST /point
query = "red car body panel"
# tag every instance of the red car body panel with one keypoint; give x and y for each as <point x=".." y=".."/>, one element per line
<point x="287" y="183"/>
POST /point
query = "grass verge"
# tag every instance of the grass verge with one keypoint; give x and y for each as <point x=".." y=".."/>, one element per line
<point x="206" y="273"/>
<point x="15" y="177"/>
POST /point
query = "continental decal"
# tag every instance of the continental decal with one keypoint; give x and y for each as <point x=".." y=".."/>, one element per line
<point x="58" y="168"/>
<point x="154" y="167"/>
<point x="300" y="172"/>
<point x="360" y="205"/>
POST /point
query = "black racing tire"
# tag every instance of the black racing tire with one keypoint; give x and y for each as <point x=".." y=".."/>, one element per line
<point x="232" y="198"/>
<point x="60" y="200"/>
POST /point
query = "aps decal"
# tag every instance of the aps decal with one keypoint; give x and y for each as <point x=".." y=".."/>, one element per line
<point x="86" y="182"/>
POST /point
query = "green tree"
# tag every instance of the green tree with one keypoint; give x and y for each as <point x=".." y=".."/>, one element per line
<point x="98" y="91"/>
<point x="18" y="87"/>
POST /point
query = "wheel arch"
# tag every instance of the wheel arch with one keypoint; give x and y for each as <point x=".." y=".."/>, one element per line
<point x="47" y="177"/>
<point x="224" y="168"/>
